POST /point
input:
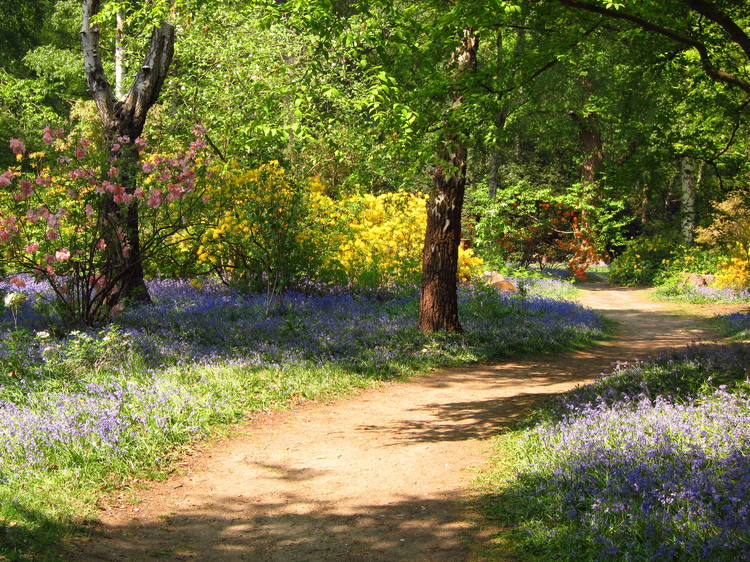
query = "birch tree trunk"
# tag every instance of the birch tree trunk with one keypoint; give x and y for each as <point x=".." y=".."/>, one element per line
<point x="120" y="58"/>
<point x="123" y="121"/>
<point x="438" y="306"/>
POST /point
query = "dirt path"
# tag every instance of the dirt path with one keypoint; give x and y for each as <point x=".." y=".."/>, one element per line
<point x="380" y="476"/>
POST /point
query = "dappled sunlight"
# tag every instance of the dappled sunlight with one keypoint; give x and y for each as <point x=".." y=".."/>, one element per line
<point x="293" y="527"/>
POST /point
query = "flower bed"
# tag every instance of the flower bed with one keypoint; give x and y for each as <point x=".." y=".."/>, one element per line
<point x="649" y="463"/>
<point x="83" y="408"/>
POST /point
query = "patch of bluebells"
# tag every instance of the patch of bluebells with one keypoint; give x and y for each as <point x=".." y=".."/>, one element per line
<point x="39" y="296"/>
<point x="706" y="295"/>
<point x="737" y="324"/>
<point x="188" y="325"/>
<point x="55" y="412"/>
<point x="545" y="287"/>
<point x="643" y="471"/>
<point x="678" y="376"/>
<point x="99" y="422"/>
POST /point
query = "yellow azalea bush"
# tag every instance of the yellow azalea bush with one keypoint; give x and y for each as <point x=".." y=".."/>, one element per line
<point x="730" y="231"/>
<point x="265" y="227"/>
<point x="381" y="239"/>
<point x="259" y="230"/>
<point x="734" y="273"/>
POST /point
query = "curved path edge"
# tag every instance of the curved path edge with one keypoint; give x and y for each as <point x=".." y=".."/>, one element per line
<point x="383" y="475"/>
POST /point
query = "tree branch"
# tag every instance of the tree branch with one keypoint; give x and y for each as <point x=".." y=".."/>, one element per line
<point x="150" y="78"/>
<point x="129" y="116"/>
<point x="541" y="70"/>
<point x="101" y="91"/>
<point x="708" y="66"/>
<point x="722" y="19"/>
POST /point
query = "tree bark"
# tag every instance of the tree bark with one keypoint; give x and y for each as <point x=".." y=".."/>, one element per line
<point x="690" y="178"/>
<point x="438" y="307"/>
<point x="590" y="136"/>
<point x="120" y="58"/>
<point x="123" y="122"/>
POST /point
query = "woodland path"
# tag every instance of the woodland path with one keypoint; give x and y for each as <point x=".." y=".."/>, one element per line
<point x="383" y="475"/>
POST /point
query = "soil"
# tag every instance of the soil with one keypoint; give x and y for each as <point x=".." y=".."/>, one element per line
<point x="383" y="475"/>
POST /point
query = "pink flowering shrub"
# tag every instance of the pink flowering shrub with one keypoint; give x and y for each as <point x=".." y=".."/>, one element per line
<point x="60" y="214"/>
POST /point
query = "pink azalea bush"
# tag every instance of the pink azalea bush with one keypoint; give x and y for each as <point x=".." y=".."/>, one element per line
<point x="59" y="211"/>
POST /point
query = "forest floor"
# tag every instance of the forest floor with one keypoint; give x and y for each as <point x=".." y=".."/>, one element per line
<point x="387" y="474"/>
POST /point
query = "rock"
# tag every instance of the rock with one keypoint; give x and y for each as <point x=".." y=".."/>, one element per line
<point x="697" y="279"/>
<point x="500" y="283"/>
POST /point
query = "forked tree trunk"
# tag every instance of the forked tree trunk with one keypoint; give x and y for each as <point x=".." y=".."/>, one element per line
<point x="123" y="122"/>
<point x="438" y="306"/>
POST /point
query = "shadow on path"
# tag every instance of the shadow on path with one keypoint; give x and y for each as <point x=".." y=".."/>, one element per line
<point x="381" y="476"/>
<point x="410" y="529"/>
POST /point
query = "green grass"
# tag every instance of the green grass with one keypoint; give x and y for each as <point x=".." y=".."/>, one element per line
<point x="560" y="485"/>
<point x="43" y="502"/>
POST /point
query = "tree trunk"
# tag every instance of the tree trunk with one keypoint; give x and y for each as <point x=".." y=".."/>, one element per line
<point x="591" y="140"/>
<point x="123" y="122"/>
<point x="689" y="180"/>
<point x="497" y="153"/>
<point x="501" y="117"/>
<point x="120" y="57"/>
<point x="438" y="307"/>
<point x="589" y="134"/>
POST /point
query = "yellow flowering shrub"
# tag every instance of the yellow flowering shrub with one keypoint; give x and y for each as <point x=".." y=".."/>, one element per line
<point x="730" y="231"/>
<point x="259" y="231"/>
<point x="380" y="239"/>
<point x="263" y="228"/>
<point x="734" y="273"/>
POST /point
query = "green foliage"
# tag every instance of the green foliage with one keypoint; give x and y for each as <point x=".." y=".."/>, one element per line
<point x="661" y="259"/>
<point x="572" y="484"/>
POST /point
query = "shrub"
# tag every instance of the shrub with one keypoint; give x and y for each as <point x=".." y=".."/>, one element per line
<point x="258" y="230"/>
<point x="660" y="259"/>
<point x="734" y="273"/>
<point x="62" y="214"/>
<point x="528" y="225"/>
<point x="730" y="232"/>
<point x="380" y="240"/>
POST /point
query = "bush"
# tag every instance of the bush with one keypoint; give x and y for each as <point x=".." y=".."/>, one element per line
<point x="380" y="240"/>
<point x="730" y="232"/>
<point x="525" y="225"/>
<point x="258" y="231"/>
<point x="65" y="215"/>
<point x="660" y="259"/>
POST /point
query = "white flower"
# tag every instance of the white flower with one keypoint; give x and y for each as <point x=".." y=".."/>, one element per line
<point x="49" y="352"/>
<point x="42" y="335"/>
<point x="14" y="299"/>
